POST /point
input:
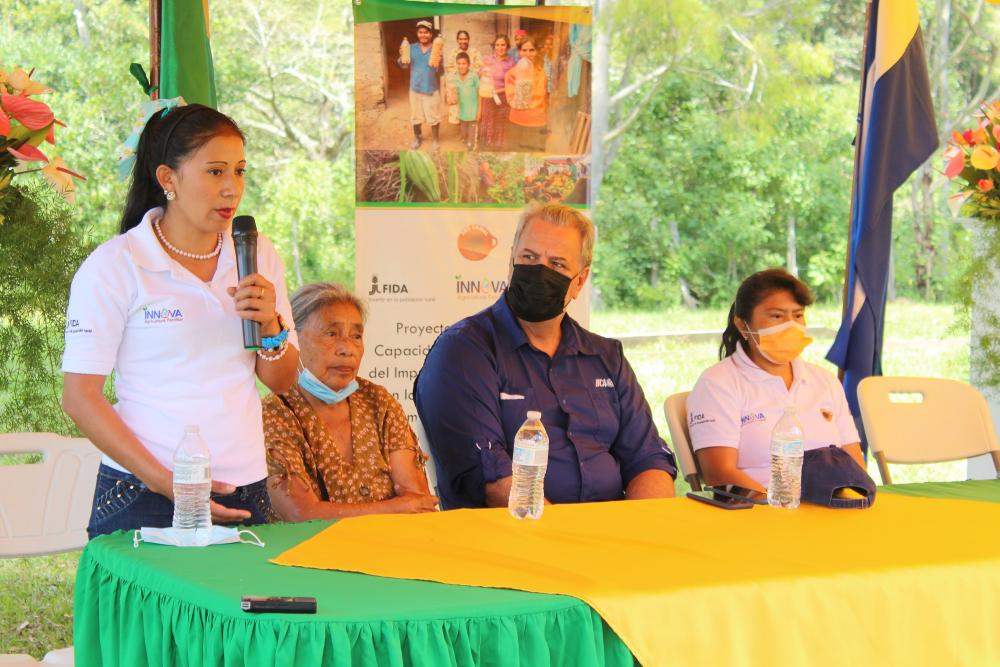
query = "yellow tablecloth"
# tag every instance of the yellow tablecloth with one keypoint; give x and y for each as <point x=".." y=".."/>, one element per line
<point x="911" y="581"/>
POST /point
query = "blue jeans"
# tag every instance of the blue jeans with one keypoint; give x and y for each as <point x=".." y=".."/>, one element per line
<point x="122" y="502"/>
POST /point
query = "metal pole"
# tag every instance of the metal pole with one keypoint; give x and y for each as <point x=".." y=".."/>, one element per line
<point x="857" y="163"/>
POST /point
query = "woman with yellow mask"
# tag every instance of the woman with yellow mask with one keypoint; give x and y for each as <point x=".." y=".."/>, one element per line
<point x="736" y="402"/>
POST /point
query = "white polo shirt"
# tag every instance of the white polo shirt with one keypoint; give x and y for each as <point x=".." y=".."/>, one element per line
<point x="176" y="346"/>
<point x="735" y="403"/>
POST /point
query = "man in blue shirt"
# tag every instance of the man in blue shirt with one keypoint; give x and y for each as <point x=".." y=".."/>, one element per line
<point x="524" y="353"/>
<point x="425" y="98"/>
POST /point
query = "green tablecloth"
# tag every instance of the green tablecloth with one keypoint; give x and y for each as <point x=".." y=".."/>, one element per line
<point x="982" y="489"/>
<point x="163" y="605"/>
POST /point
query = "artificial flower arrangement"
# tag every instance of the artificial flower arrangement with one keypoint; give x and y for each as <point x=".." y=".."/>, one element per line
<point x="24" y="124"/>
<point x="973" y="158"/>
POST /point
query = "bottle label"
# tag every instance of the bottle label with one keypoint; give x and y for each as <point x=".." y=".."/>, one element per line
<point x="787" y="448"/>
<point x="530" y="456"/>
<point x="192" y="474"/>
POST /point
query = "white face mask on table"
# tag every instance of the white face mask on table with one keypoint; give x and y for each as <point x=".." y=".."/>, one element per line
<point x="196" y="537"/>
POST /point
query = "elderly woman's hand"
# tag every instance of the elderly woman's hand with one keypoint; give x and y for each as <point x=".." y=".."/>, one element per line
<point x="413" y="503"/>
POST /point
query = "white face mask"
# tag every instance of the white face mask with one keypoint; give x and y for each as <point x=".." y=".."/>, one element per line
<point x="197" y="537"/>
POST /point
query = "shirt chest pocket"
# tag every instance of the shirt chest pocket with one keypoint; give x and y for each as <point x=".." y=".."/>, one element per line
<point x="604" y="401"/>
<point x="515" y="402"/>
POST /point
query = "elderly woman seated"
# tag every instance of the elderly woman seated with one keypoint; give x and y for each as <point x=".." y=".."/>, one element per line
<point x="339" y="445"/>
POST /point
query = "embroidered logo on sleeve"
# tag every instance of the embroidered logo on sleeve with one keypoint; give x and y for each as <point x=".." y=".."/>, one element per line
<point x="74" y="327"/>
<point x="698" y="418"/>
<point x="161" y="315"/>
<point x="604" y="383"/>
<point x="752" y="418"/>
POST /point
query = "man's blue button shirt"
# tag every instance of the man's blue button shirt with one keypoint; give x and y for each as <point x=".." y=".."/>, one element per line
<point x="423" y="77"/>
<point x="482" y="376"/>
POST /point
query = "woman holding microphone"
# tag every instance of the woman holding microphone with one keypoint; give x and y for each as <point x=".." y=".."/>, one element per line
<point x="162" y="306"/>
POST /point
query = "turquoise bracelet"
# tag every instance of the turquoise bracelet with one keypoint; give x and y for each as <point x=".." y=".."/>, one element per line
<point x="274" y="342"/>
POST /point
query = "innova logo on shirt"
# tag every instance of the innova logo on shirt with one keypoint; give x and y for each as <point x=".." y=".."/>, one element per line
<point x="161" y="315"/>
<point x="752" y="418"/>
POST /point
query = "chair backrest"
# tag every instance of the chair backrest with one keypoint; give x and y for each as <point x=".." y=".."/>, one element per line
<point x="675" y="410"/>
<point x="45" y="506"/>
<point x="925" y="420"/>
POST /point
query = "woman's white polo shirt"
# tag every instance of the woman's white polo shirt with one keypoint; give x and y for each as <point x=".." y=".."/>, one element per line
<point x="176" y="346"/>
<point x="735" y="403"/>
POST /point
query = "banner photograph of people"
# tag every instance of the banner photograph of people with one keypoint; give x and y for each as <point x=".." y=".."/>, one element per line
<point x="469" y="92"/>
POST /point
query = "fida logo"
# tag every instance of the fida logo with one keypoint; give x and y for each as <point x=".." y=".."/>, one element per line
<point x="386" y="288"/>
<point x="484" y="287"/>
<point x="161" y="315"/>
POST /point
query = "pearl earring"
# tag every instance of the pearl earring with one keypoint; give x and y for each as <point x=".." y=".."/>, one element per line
<point x="169" y="195"/>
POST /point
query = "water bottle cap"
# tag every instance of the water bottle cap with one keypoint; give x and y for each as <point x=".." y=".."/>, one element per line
<point x="534" y="414"/>
<point x="191" y="428"/>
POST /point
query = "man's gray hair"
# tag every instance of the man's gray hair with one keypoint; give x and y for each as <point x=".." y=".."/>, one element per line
<point x="561" y="216"/>
<point x="315" y="296"/>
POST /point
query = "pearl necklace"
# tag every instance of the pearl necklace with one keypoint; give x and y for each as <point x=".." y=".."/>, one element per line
<point x="184" y="253"/>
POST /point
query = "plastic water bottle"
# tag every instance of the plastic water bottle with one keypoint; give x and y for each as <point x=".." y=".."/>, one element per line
<point x="785" y="488"/>
<point x="531" y="458"/>
<point x="192" y="482"/>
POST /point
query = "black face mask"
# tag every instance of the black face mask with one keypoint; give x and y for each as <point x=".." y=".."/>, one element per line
<point x="537" y="293"/>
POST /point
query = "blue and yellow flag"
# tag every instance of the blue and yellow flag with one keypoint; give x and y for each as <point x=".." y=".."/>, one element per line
<point x="897" y="133"/>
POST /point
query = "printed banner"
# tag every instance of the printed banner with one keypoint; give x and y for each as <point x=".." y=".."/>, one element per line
<point x="463" y="115"/>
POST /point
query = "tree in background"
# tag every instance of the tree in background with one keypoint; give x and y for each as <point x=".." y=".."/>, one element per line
<point x="286" y="73"/>
<point x="737" y="161"/>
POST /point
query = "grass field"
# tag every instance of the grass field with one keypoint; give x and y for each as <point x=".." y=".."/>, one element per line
<point x="36" y="595"/>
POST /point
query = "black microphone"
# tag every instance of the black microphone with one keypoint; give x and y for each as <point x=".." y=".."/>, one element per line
<point x="245" y="240"/>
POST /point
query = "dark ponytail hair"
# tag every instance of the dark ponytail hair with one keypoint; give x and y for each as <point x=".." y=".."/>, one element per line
<point x="752" y="291"/>
<point x="169" y="138"/>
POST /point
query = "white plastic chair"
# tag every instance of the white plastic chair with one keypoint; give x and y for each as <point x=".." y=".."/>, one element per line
<point x="925" y="420"/>
<point x="675" y="410"/>
<point x="45" y="506"/>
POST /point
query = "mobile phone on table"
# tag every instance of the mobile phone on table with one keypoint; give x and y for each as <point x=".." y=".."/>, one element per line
<point x="278" y="605"/>
<point x="739" y="493"/>
<point x="721" y="501"/>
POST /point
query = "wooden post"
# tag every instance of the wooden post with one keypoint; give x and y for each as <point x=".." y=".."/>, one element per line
<point x="857" y="163"/>
<point x="155" y="18"/>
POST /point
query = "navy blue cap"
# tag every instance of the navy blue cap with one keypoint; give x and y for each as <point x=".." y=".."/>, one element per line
<point x="829" y="469"/>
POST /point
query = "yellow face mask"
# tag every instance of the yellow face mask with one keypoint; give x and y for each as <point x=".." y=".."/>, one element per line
<point x="783" y="342"/>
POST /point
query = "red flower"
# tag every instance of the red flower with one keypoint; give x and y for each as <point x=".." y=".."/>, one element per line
<point x="985" y="185"/>
<point x="32" y="114"/>
<point x="967" y="136"/>
<point x="27" y="153"/>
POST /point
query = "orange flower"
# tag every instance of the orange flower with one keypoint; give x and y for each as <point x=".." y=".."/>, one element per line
<point x="61" y="178"/>
<point x="957" y="138"/>
<point x="20" y="81"/>
<point x="985" y="185"/>
<point x="955" y="164"/>
<point x="980" y="136"/>
<point x="984" y="157"/>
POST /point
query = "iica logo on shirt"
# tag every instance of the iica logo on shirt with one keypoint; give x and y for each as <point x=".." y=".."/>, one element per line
<point x="161" y="315"/>
<point x="604" y="383"/>
<point x="752" y="418"/>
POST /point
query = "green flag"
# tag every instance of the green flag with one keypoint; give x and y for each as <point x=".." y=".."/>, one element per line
<point x="185" y="52"/>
